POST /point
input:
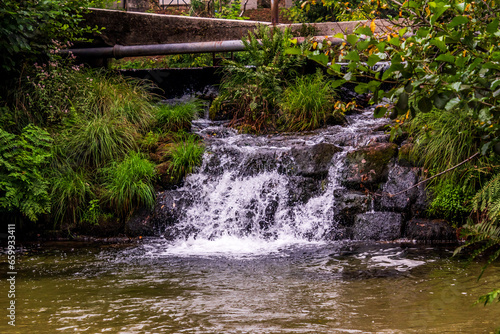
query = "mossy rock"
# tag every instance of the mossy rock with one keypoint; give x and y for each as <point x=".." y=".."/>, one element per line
<point x="367" y="166"/>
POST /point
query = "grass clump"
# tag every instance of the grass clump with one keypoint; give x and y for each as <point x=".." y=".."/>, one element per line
<point x="185" y="157"/>
<point x="129" y="184"/>
<point x="308" y="103"/>
<point x="99" y="140"/>
<point x="174" y="118"/>
<point x="70" y="192"/>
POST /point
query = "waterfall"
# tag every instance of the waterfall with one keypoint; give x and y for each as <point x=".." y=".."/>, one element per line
<point x="264" y="192"/>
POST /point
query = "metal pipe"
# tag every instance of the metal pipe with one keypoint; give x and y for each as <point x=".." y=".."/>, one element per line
<point x="120" y="51"/>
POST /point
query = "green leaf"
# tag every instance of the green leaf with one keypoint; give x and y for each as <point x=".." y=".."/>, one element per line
<point x="337" y="83"/>
<point x="402" y="103"/>
<point x="446" y="58"/>
<point x="352" y="39"/>
<point x="320" y="58"/>
<point x="380" y="112"/>
<point x="452" y="104"/>
<point x="339" y="35"/>
<point x="372" y="60"/>
<point x="457" y="20"/>
<point x="492" y="27"/>
<point x="293" y="51"/>
<point x="362" y="45"/>
<point x="424" y="104"/>
<point x="440" y="44"/>
<point x="395" y="41"/>
<point x="335" y="67"/>
<point x="440" y="100"/>
<point x="353" y="56"/>
<point x="381" y="46"/>
<point x="363" y="31"/>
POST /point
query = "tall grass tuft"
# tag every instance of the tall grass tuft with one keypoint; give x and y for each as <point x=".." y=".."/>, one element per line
<point x="129" y="184"/>
<point x="308" y="103"/>
<point x="70" y="191"/>
<point x="185" y="156"/>
<point x="115" y="96"/>
<point x="176" y="117"/>
<point x="99" y="140"/>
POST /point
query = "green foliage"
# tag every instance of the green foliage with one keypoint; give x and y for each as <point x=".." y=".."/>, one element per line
<point x="173" y="61"/>
<point x="129" y="184"/>
<point x="333" y="11"/>
<point x="177" y="117"/>
<point x="23" y="187"/>
<point x="185" y="156"/>
<point x="227" y="9"/>
<point x="451" y="202"/>
<point x="490" y="297"/>
<point x="442" y="139"/>
<point x="253" y="89"/>
<point x="308" y="103"/>
<point x="98" y="140"/>
<point x="70" y="191"/>
<point x="30" y="28"/>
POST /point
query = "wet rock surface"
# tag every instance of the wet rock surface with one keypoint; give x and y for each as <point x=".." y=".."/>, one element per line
<point x="368" y="165"/>
<point x="334" y="183"/>
<point x="428" y="230"/>
<point x="377" y="226"/>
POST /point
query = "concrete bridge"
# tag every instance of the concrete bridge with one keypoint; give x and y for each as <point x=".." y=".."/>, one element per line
<point x="132" y="28"/>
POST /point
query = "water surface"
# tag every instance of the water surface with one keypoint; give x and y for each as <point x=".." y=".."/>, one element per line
<point x="316" y="287"/>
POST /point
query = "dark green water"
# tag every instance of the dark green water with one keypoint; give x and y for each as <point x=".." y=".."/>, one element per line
<point x="316" y="288"/>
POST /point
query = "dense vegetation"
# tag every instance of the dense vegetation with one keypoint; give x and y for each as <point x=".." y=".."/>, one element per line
<point x="266" y="92"/>
<point x="80" y="147"/>
<point x="442" y="64"/>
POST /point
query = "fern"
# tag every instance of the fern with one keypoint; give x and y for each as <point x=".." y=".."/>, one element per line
<point x="23" y="187"/>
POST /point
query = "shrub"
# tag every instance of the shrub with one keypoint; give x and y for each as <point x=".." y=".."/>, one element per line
<point x="176" y="117"/>
<point x="308" y="103"/>
<point x="185" y="156"/>
<point x="129" y="184"/>
<point x="253" y="89"/>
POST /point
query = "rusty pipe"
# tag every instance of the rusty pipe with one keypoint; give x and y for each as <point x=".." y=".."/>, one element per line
<point x="120" y="51"/>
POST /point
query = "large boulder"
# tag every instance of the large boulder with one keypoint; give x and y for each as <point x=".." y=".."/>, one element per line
<point x="427" y="230"/>
<point x="313" y="161"/>
<point x="368" y="166"/>
<point x="397" y="192"/>
<point x="377" y="226"/>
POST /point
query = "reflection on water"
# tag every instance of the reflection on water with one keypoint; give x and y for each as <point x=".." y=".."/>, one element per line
<point x="304" y="288"/>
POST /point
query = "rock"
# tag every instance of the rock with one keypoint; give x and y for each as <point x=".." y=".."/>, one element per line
<point x="368" y="166"/>
<point x="169" y="206"/>
<point x="404" y="158"/>
<point x="302" y="189"/>
<point x="436" y="230"/>
<point x="348" y="204"/>
<point x="313" y="161"/>
<point x="140" y="224"/>
<point x="377" y="226"/>
<point x="399" y="179"/>
<point x="422" y="202"/>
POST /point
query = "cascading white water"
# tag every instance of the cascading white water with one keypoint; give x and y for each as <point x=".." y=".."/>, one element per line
<point x="247" y="198"/>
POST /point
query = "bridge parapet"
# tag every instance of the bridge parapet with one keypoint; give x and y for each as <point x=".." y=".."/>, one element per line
<point x="132" y="28"/>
